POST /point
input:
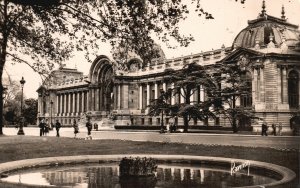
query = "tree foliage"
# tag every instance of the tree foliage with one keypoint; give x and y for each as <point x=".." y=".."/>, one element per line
<point x="44" y="33"/>
<point x="12" y="109"/>
<point x="186" y="82"/>
<point x="30" y="111"/>
<point x="231" y="85"/>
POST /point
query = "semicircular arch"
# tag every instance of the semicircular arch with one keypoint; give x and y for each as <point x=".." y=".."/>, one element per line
<point x="101" y="70"/>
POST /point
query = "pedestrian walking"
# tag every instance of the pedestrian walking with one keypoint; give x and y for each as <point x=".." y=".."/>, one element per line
<point x="89" y="128"/>
<point x="76" y="128"/>
<point x="46" y="128"/>
<point x="280" y="129"/>
<point x="96" y="126"/>
<point x="42" y="127"/>
<point x="274" y="129"/>
<point x="168" y="127"/>
<point x="264" y="129"/>
<point x="57" y="127"/>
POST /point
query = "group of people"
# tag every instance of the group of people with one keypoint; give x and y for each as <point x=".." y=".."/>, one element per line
<point x="276" y="129"/>
<point x="171" y="127"/>
<point x="45" y="127"/>
<point x="88" y="126"/>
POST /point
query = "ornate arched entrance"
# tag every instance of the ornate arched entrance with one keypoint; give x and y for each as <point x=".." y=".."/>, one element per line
<point x="101" y="86"/>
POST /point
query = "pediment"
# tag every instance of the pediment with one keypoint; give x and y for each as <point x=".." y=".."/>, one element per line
<point x="240" y="52"/>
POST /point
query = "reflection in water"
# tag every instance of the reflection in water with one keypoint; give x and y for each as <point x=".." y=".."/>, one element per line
<point x="100" y="176"/>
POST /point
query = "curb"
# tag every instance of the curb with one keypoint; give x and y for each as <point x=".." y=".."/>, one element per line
<point x="287" y="174"/>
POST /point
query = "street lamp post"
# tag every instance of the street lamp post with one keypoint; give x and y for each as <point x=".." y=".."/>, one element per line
<point x="162" y="129"/>
<point x="51" y="103"/>
<point x="21" y="131"/>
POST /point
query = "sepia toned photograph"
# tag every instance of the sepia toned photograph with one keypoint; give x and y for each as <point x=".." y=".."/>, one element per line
<point x="149" y="93"/>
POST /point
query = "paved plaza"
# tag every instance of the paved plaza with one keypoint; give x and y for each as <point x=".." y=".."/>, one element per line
<point x="277" y="142"/>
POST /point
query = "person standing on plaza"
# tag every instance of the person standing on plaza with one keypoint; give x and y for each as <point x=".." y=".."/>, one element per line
<point x="274" y="129"/>
<point x="264" y="129"/>
<point x="96" y="126"/>
<point x="76" y="128"/>
<point x="89" y="128"/>
<point x="57" y="127"/>
<point x="42" y="127"/>
<point x="46" y="128"/>
<point x="279" y="129"/>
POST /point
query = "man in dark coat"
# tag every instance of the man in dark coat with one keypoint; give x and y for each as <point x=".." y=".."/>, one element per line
<point x="42" y="127"/>
<point x="264" y="129"/>
<point x="57" y="127"/>
<point x="89" y="127"/>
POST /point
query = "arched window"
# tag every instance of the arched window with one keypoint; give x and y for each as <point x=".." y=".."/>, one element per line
<point x="246" y="97"/>
<point x="293" y="89"/>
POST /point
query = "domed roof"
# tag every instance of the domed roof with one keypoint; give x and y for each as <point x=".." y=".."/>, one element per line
<point x="268" y="28"/>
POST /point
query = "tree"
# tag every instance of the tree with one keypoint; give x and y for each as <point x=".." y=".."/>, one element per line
<point x="12" y="89"/>
<point x="12" y="110"/>
<point x="36" y="29"/>
<point x="231" y="85"/>
<point x="46" y="32"/>
<point x="30" y="111"/>
<point x="186" y="81"/>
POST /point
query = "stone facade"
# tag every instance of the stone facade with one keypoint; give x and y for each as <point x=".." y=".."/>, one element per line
<point x="268" y="48"/>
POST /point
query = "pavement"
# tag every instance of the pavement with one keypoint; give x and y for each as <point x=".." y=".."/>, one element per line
<point x="276" y="142"/>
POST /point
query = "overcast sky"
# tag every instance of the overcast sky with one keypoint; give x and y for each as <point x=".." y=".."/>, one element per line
<point x="230" y="18"/>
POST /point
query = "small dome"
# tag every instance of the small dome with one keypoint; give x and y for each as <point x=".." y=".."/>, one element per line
<point x="266" y="28"/>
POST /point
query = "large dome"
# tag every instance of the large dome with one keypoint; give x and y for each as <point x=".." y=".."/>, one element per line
<point x="265" y="28"/>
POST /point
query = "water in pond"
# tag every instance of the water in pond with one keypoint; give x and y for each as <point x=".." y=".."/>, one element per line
<point x="107" y="175"/>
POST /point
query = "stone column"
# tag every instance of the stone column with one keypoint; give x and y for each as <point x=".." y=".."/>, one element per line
<point x="125" y="96"/>
<point x="284" y="87"/>
<point x="164" y="86"/>
<point x="87" y="100"/>
<point x="148" y="94"/>
<point x="119" y="97"/>
<point x="141" y="97"/>
<point x="93" y="99"/>
<point x="192" y="98"/>
<point x="82" y="101"/>
<point x="202" y="94"/>
<point x="39" y="105"/>
<point x="61" y="104"/>
<point x="69" y="103"/>
<point x="254" y="87"/>
<point x="103" y="99"/>
<point x="115" y="99"/>
<point x="155" y="90"/>
<point x="78" y="102"/>
<point x="96" y="99"/>
<point x="172" y="97"/>
<point x="182" y="96"/>
<point x="73" y="103"/>
<point x="65" y="104"/>
<point x="56" y="111"/>
<point x="279" y="86"/>
<point x="262" y="87"/>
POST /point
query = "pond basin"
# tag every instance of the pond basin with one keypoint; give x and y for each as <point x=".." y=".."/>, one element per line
<point x="172" y="171"/>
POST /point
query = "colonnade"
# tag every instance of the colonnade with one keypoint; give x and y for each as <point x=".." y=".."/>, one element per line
<point x="150" y="91"/>
<point x="72" y="103"/>
<point x="139" y="95"/>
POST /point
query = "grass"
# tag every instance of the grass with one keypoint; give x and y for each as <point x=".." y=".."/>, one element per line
<point x="19" y="147"/>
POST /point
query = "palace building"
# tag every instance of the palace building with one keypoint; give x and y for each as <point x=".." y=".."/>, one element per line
<point x="272" y="48"/>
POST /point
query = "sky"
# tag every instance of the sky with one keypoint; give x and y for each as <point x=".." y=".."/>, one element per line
<point x="230" y="17"/>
